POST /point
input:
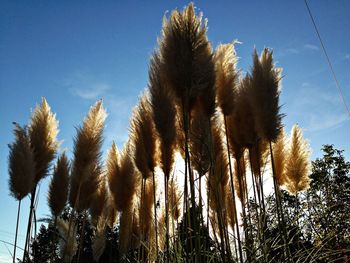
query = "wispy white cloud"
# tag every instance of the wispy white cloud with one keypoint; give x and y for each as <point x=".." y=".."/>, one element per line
<point x="317" y="109"/>
<point x="95" y="91"/>
<point x="86" y="86"/>
<point x="311" y="47"/>
<point x="286" y="52"/>
<point x="326" y="121"/>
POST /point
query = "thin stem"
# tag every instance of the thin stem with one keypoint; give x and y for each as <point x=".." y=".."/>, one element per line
<point x="32" y="198"/>
<point x="233" y="192"/>
<point x="166" y="216"/>
<point x="17" y="221"/>
<point x="155" y="214"/>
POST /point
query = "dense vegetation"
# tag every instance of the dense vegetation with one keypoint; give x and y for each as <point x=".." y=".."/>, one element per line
<point x="227" y="128"/>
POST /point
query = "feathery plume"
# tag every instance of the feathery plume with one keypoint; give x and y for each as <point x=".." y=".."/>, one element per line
<point x="239" y="179"/>
<point x="68" y="243"/>
<point x="265" y="91"/>
<point x="174" y="199"/>
<point x="126" y="225"/>
<point x="200" y="142"/>
<point x="187" y="60"/>
<point x="235" y="142"/>
<point x="245" y="131"/>
<point x="21" y="164"/>
<point x="87" y="167"/>
<point x="226" y="77"/>
<point x="231" y="209"/>
<point x="43" y="130"/>
<point x="121" y="178"/>
<point x="164" y="114"/>
<point x="58" y="189"/>
<point x="298" y="163"/>
<point x="218" y="178"/>
<point x="145" y="212"/>
<point x="99" y="201"/>
<point x="98" y="244"/>
<point x="144" y="137"/>
<point x="259" y="156"/>
<point x="279" y="156"/>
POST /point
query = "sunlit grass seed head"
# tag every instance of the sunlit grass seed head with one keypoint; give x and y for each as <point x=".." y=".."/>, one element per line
<point x="226" y="77"/>
<point x="186" y="56"/>
<point x="143" y="137"/>
<point x="58" y="189"/>
<point x="87" y="165"/>
<point x="298" y="164"/>
<point x="21" y="164"/>
<point x="164" y="114"/>
<point x="43" y="130"/>
<point x="265" y="91"/>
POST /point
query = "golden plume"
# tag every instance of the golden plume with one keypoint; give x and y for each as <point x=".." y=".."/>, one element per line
<point x="21" y="164"/>
<point x="121" y="178"/>
<point x="43" y="130"/>
<point x="187" y="60"/>
<point x="200" y="142"/>
<point x="233" y="131"/>
<point x="143" y="137"/>
<point x="259" y="156"/>
<point x="297" y="163"/>
<point x="279" y="157"/>
<point x="226" y="77"/>
<point x="265" y="91"/>
<point x="146" y="212"/>
<point x="174" y="199"/>
<point x="68" y="243"/>
<point x="125" y="232"/>
<point x="240" y="179"/>
<point x="58" y="189"/>
<point x="164" y="114"/>
<point x="218" y="175"/>
<point x="87" y="166"/>
<point x="99" y="201"/>
<point x="230" y="207"/>
<point x="244" y="130"/>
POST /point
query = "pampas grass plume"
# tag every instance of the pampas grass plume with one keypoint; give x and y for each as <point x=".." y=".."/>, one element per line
<point x="43" y="130"/>
<point x="21" y="164"/>
<point x="164" y="114"/>
<point x="298" y="163"/>
<point x="279" y="156"/>
<point x="68" y="243"/>
<point x="265" y="91"/>
<point x="87" y="167"/>
<point x="186" y="53"/>
<point x="121" y="178"/>
<point x="58" y="189"/>
<point x="226" y="77"/>
<point x="144" y="137"/>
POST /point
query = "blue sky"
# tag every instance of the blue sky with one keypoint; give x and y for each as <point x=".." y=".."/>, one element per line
<point x="75" y="52"/>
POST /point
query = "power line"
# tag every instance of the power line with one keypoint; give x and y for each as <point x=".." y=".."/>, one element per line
<point x="328" y="60"/>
